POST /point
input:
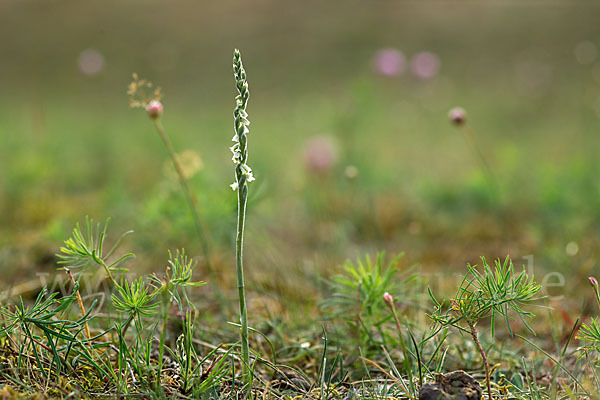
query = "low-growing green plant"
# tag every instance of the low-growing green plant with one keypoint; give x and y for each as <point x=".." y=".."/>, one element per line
<point x="496" y="292"/>
<point x="173" y="288"/>
<point x="136" y="300"/>
<point x="86" y="247"/>
<point x="357" y="295"/>
<point x="590" y="333"/>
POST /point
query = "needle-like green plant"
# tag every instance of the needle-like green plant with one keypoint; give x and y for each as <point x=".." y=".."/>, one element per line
<point x="496" y="292"/>
<point x="134" y="299"/>
<point x="356" y="295"/>
<point x="86" y="247"/>
<point x="243" y="175"/>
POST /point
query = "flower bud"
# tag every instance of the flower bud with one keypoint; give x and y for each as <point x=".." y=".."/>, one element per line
<point x="458" y="116"/>
<point x="388" y="299"/>
<point x="593" y="282"/>
<point x="154" y="109"/>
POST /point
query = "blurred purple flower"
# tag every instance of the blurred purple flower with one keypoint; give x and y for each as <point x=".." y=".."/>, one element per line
<point x="425" y="65"/>
<point x="90" y="62"/>
<point x="320" y="154"/>
<point x="389" y="62"/>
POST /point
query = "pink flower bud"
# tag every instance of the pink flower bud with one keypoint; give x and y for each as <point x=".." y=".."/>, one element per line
<point x="388" y="299"/>
<point x="593" y="281"/>
<point x="154" y="109"/>
<point x="457" y="115"/>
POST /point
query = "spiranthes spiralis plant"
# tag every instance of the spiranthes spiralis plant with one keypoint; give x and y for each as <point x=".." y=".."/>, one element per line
<point x="496" y="292"/>
<point x="143" y="94"/>
<point x="243" y="175"/>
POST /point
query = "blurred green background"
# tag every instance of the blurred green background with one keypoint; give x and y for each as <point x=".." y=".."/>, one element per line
<point x="397" y="174"/>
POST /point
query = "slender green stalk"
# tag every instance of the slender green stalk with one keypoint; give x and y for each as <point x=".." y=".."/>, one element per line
<point x="243" y="175"/>
<point x="187" y="191"/>
<point x="489" y="173"/>
<point x="389" y="300"/>
<point x="163" y="334"/>
<point x="239" y="249"/>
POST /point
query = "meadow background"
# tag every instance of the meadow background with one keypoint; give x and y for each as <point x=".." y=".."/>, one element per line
<point x="526" y="72"/>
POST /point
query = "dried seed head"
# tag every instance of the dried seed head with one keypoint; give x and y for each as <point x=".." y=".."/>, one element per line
<point x="458" y="116"/>
<point x="154" y="109"/>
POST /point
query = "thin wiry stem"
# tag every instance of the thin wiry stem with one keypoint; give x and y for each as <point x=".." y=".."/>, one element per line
<point x="486" y="366"/>
<point x="489" y="173"/>
<point x="163" y="334"/>
<point x="186" y="189"/>
<point x="81" y="306"/>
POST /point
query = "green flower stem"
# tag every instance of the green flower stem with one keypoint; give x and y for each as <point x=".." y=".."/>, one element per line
<point x="163" y="331"/>
<point x="188" y="193"/>
<point x="405" y="352"/>
<point x="470" y="139"/>
<point x="239" y="249"/>
<point x="597" y="292"/>
<point x="473" y="331"/>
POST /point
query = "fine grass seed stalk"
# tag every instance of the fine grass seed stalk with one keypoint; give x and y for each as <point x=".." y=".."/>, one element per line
<point x="243" y="175"/>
